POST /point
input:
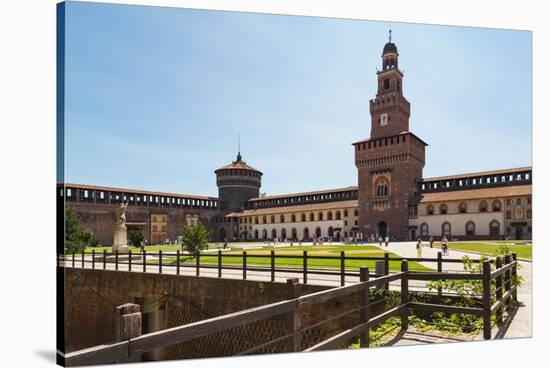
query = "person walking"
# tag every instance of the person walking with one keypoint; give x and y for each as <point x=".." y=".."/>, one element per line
<point x="380" y="240"/>
<point x="387" y="240"/>
<point x="445" y="245"/>
<point x="431" y="241"/>
<point x="419" y="248"/>
<point x="225" y="243"/>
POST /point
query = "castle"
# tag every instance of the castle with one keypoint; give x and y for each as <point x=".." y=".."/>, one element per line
<point x="391" y="197"/>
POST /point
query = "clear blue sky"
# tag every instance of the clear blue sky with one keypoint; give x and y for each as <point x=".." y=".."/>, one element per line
<point x="155" y="97"/>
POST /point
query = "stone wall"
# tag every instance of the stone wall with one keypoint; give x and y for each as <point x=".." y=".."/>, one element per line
<point x="92" y="295"/>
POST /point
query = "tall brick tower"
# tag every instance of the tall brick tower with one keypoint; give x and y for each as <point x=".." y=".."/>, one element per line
<point x="390" y="162"/>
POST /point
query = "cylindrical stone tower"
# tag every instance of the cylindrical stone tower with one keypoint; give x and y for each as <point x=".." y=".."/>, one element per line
<point x="237" y="183"/>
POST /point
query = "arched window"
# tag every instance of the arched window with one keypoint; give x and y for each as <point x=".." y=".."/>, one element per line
<point x="529" y="214"/>
<point x="164" y="228"/>
<point x="463" y="208"/>
<point x="443" y="209"/>
<point x="382" y="187"/>
<point x="345" y="213"/>
<point x="311" y="217"/>
<point x="497" y="205"/>
<point x="508" y="215"/>
<point x="256" y="220"/>
<point x="470" y="229"/>
<point x="483" y="206"/>
<point x="329" y="215"/>
<point x="446" y="229"/>
<point x="338" y="215"/>
<point x="386" y="83"/>
<point x="293" y="218"/>
<point x="430" y="210"/>
<point x="320" y="216"/>
<point x="272" y="219"/>
<point x="155" y="228"/>
<point x="303" y="217"/>
<point x="264" y="220"/>
<point x="282" y="218"/>
<point x="424" y="229"/>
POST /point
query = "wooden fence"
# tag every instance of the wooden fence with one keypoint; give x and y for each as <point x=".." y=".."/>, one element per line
<point x="497" y="285"/>
<point x="155" y="262"/>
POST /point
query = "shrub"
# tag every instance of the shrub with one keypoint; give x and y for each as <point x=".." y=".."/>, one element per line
<point x="195" y="238"/>
<point x="136" y="237"/>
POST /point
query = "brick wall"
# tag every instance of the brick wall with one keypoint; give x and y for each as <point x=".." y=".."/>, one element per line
<point x="92" y="295"/>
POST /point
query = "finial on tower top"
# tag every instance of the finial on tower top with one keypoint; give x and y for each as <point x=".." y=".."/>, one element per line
<point x="390" y="33"/>
<point x="239" y="158"/>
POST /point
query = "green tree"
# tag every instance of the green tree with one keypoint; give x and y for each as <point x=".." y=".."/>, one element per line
<point x="195" y="238"/>
<point x="136" y="237"/>
<point x="76" y="239"/>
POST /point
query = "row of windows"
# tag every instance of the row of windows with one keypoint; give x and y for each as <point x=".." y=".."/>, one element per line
<point x="293" y="234"/>
<point x="238" y="172"/>
<point x="496" y="206"/>
<point x="138" y="199"/>
<point x="303" y="217"/>
<point x="476" y="181"/>
<point x="305" y="199"/>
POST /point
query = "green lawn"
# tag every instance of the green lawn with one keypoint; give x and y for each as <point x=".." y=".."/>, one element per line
<point x="350" y="251"/>
<point x="491" y="248"/>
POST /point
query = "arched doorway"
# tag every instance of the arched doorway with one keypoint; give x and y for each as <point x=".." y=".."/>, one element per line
<point x="330" y="232"/>
<point x="273" y="234"/>
<point x="264" y="234"/>
<point x="283" y="234"/>
<point x="382" y="228"/>
<point x="294" y="234"/>
<point x="256" y="234"/>
<point x="306" y="234"/>
<point x="318" y="232"/>
<point x="223" y="235"/>
<point x="494" y="230"/>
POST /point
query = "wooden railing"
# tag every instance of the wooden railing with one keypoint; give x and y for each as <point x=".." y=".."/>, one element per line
<point x="504" y="292"/>
<point x="101" y="260"/>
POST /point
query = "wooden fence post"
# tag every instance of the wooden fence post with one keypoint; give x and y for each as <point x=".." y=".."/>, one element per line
<point x="272" y="266"/>
<point x="386" y="269"/>
<point x="405" y="294"/>
<point x="507" y="279"/>
<point x="486" y="282"/>
<point x="73" y="261"/>
<point x="104" y="258"/>
<point x="127" y="322"/>
<point x="177" y="262"/>
<point x="116" y="260"/>
<point x="144" y="261"/>
<point x="160" y="261"/>
<point x="514" y="275"/>
<point x="130" y="261"/>
<point x="83" y="260"/>
<point x="439" y="269"/>
<point x="342" y="268"/>
<point x="293" y="317"/>
<point x="219" y="263"/>
<point x="305" y="266"/>
<point x="364" y="303"/>
<point x="198" y="264"/>
<point x="244" y="264"/>
<point x="93" y="258"/>
<point x="498" y="264"/>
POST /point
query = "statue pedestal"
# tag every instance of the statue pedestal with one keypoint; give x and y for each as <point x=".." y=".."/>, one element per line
<point x="120" y="241"/>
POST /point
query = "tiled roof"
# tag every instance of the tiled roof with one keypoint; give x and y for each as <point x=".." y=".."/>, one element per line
<point x="324" y="191"/>
<point x="136" y="191"/>
<point x="238" y="165"/>
<point x="498" y="192"/>
<point x="298" y="208"/>
<point x="481" y="173"/>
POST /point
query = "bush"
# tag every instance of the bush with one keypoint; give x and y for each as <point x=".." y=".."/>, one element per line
<point x="136" y="237"/>
<point x="76" y="239"/>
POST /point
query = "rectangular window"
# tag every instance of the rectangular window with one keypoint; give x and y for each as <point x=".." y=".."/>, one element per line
<point x="85" y="194"/>
<point x="101" y="195"/>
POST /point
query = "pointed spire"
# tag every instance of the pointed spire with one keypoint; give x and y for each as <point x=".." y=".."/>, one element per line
<point x="390" y="34"/>
<point x="239" y="158"/>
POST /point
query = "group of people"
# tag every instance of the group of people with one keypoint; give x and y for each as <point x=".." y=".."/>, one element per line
<point x="444" y="245"/>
